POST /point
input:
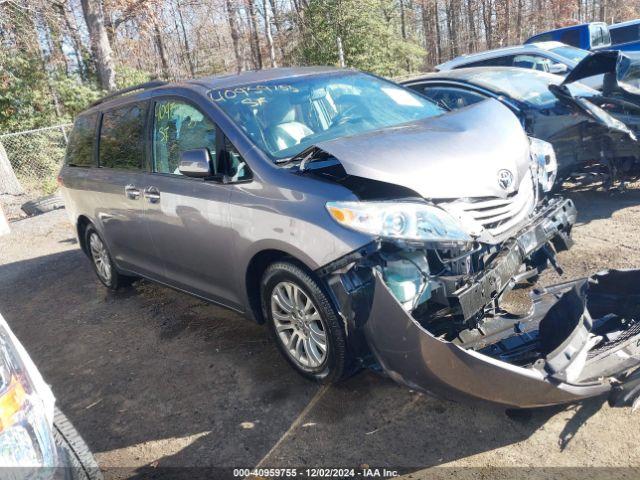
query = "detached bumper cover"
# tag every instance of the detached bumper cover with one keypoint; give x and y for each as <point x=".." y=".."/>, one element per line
<point x="412" y="356"/>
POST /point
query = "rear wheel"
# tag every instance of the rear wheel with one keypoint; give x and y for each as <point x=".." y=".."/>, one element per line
<point x="102" y="263"/>
<point x="303" y="323"/>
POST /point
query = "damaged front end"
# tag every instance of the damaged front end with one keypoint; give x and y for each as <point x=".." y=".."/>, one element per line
<point x="452" y="232"/>
<point x="432" y="319"/>
<point x="416" y="307"/>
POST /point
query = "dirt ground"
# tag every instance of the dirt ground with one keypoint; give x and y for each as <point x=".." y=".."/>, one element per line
<point x="152" y="377"/>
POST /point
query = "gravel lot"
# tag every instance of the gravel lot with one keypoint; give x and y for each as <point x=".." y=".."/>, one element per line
<point x="152" y="377"/>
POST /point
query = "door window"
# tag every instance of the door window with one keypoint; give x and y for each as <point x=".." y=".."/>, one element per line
<point x="122" y="137"/>
<point x="179" y="127"/>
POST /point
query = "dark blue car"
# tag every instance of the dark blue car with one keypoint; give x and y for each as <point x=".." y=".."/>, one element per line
<point x="595" y="36"/>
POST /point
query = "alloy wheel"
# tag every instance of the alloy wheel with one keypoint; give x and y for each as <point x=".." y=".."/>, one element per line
<point x="100" y="258"/>
<point x="298" y="325"/>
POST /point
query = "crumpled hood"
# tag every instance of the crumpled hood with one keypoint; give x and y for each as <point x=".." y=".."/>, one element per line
<point x="459" y="154"/>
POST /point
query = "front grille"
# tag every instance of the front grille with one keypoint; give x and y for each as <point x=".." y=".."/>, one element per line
<point x="498" y="215"/>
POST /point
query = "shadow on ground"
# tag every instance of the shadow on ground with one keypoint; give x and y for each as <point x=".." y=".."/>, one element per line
<point x="151" y="373"/>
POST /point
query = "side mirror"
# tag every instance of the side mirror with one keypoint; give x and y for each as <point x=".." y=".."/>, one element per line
<point x="558" y="69"/>
<point x="195" y="163"/>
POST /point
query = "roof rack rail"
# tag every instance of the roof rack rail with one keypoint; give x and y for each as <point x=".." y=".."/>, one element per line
<point x="133" y="88"/>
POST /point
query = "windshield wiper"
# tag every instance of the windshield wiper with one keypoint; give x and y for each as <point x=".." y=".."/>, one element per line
<point x="305" y="155"/>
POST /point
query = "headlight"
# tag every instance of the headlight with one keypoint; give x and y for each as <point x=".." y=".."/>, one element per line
<point x="547" y="163"/>
<point x="399" y="220"/>
<point x="26" y="408"/>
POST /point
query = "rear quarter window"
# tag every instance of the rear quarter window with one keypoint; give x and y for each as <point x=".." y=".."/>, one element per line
<point x="80" y="149"/>
<point x="122" y="137"/>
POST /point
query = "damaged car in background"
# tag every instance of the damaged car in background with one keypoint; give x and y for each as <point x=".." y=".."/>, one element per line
<point x="594" y="134"/>
<point x="364" y="224"/>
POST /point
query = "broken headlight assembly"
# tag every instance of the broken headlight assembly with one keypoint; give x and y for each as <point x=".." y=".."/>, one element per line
<point x="26" y="408"/>
<point x="410" y="221"/>
<point x="545" y="159"/>
<point x="406" y="269"/>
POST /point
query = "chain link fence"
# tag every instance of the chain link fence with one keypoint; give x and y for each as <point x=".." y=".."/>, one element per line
<point x="36" y="157"/>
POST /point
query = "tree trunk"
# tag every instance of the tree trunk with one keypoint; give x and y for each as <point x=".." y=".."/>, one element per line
<point x="253" y="32"/>
<point x="436" y="19"/>
<point x="235" y="36"/>
<point x="472" y="38"/>
<point x="187" y="49"/>
<point x="487" y="18"/>
<point x="426" y="32"/>
<point x="93" y="15"/>
<point x="157" y="37"/>
<point x="278" y="24"/>
<point x="603" y="10"/>
<point x="519" y="22"/>
<point x="341" y="61"/>
<point x="267" y="31"/>
<point x="403" y="22"/>
<point x="9" y="183"/>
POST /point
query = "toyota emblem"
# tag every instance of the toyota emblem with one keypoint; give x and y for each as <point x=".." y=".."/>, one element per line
<point x="505" y="179"/>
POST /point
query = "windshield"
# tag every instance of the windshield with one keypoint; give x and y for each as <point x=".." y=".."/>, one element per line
<point x="571" y="53"/>
<point x="528" y="86"/>
<point x="284" y="117"/>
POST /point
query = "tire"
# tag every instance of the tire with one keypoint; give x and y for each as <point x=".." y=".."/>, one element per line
<point x="308" y="323"/>
<point x="43" y="205"/>
<point x="114" y="280"/>
<point x="78" y="459"/>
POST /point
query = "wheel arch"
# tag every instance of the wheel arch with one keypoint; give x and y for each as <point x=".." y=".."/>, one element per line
<point x="255" y="270"/>
<point x="253" y="276"/>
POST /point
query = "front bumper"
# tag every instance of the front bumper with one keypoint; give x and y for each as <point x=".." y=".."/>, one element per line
<point x="412" y="356"/>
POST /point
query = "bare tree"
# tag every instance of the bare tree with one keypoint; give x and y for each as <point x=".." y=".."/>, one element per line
<point x="157" y="36"/>
<point x="235" y="35"/>
<point x="269" y="37"/>
<point x="187" y="49"/>
<point x="253" y="32"/>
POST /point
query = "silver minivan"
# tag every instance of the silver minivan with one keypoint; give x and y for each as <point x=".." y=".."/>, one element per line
<point x="362" y="223"/>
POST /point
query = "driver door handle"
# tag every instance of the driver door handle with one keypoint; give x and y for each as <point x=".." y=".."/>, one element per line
<point x="152" y="194"/>
<point x="132" y="192"/>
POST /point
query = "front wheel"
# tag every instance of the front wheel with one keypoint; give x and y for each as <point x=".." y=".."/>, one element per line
<point x="303" y="323"/>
